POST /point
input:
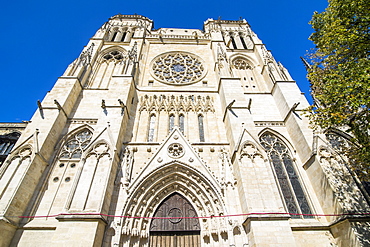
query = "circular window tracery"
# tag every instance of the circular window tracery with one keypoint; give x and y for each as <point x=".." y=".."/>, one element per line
<point x="241" y="64"/>
<point x="176" y="150"/>
<point x="178" y="68"/>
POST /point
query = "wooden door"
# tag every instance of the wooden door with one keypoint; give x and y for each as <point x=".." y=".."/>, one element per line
<point x="180" y="228"/>
<point x="174" y="239"/>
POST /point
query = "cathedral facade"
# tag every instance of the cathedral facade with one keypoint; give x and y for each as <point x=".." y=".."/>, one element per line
<point x="178" y="137"/>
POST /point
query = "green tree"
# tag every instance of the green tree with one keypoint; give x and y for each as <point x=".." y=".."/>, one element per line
<point x="340" y="75"/>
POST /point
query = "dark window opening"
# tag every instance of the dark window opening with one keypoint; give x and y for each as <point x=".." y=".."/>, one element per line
<point x="243" y="42"/>
<point x="114" y="36"/>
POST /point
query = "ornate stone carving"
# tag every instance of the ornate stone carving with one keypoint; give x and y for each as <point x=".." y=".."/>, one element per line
<point x="132" y="54"/>
<point x="249" y="150"/>
<point x="268" y="123"/>
<point x="176" y="103"/>
<point x="115" y="56"/>
<point x="176" y="150"/>
<point x="337" y="142"/>
<point x="76" y="144"/>
<point x="342" y="182"/>
<point x="127" y="163"/>
<point x="85" y="57"/>
<point x="221" y="57"/>
<point x="170" y="178"/>
<point x="241" y="64"/>
<point x="227" y="176"/>
<point x="222" y="62"/>
<point x="267" y="56"/>
<point x="180" y="68"/>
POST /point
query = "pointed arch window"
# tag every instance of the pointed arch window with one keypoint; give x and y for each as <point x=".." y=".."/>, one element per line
<point x="151" y="128"/>
<point x="243" y="42"/>
<point x="7" y="143"/>
<point x="171" y="122"/>
<point x="201" y="128"/>
<point x="233" y="43"/>
<point x="182" y="123"/>
<point x="76" y="144"/>
<point x="286" y="174"/>
<point x="114" y="36"/>
<point x="241" y="64"/>
<point x="123" y="36"/>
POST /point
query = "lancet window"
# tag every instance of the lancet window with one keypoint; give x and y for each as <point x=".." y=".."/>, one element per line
<point x="243" y="42"/>
<point x="201" y="128"/>
<point x="171" y="122"/>
<point x="287" y="176"/>
<point x="233" y="43"/>
<point x="6" y="144"/>
<point x="114" y="36"/>
<point x="182" y="123"/>
<point x="151" y="128"/>
<point x="237" y="40"/>
<point x="175" y="110"/>
<point x="123" y="36"/>
<point x="119" y="34"/>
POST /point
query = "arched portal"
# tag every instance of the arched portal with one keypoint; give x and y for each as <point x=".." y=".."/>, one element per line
<point x="167" y="230"/>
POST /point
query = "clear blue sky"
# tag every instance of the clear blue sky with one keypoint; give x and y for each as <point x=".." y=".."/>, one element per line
<point x="40" y="38"/>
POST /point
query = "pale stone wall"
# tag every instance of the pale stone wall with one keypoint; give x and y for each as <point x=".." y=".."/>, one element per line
<point x="111" y="90"/>
<point x="7" y="128"/>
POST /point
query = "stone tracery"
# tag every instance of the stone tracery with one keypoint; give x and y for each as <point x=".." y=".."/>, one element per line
<point x="74" y="147"/>
<point x="250" y="151"/>
<point x="173" y="177"/>
<point x="241" y="64"/>
<point x="178" y="68"/>
<point x="114" y="55"/>
<point x="176" y="103"/>
<point x="342" y="182"/>
<point x="176" y="150"/>
<point x="287" y="176"/>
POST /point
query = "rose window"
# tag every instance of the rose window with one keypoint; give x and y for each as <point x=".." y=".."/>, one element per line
<point x="178" y="68"/>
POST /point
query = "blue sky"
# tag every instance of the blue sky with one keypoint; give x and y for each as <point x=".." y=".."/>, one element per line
<point x="40" y="38"/>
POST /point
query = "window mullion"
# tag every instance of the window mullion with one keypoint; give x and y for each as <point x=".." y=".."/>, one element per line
<point x="291" y="188"/>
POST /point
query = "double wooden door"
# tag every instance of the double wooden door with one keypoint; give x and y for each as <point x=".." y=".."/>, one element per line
<point x="175" y="239"/>
<point x="175" y="224"/>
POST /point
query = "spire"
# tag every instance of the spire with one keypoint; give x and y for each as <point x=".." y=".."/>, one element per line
<point x="305" y="63"/>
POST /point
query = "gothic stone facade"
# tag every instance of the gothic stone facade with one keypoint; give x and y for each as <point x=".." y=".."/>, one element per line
<point x="177" y="137"/>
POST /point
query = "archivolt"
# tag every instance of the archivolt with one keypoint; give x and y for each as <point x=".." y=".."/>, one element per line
<point x="173" y="177"/>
